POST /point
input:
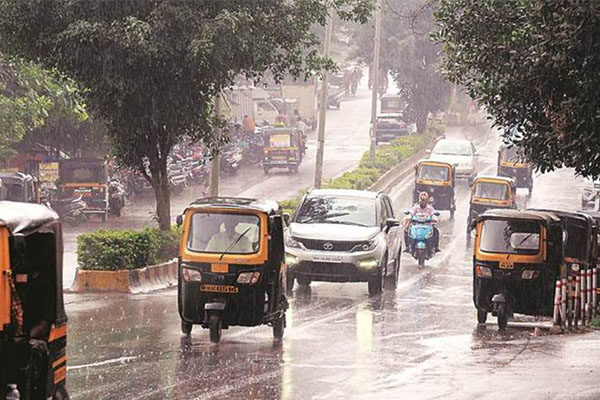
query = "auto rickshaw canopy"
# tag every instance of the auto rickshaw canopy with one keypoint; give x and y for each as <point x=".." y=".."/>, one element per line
<point x="509" y="157"/>
<point x="435" y="173"/>
<point x="38" y="229"/>
<point x="496" y="190"/>
<point x="199" y="246"/>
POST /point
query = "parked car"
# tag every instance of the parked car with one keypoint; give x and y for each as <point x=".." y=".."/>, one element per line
<point x="460" y="153"/>
<point x="591" y="190"/>
<point x="344" y="236"/>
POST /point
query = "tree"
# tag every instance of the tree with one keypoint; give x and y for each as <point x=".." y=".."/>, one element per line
<point x="152" y="68"/>
<point x="29" y="95"/>
<point x="534" y="64"/>
<point x="408" y="53"/>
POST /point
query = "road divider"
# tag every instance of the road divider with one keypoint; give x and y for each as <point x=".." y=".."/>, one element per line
<point x="141" y="280"/>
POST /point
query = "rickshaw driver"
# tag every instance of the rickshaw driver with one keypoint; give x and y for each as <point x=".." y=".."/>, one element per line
<point x="221" y="241"/>
<point x="422" y="208"/>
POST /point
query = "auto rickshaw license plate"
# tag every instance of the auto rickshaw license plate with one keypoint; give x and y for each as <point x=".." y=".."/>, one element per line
<point x="219" y="288"/>
<point x="507" y="265"/>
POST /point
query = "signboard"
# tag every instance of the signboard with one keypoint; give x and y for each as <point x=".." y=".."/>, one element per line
<point x="48" y="174"/>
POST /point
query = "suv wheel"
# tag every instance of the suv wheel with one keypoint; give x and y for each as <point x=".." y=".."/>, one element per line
<point x="303" y="280"/>
<point x="377" y="280"/>
<point x="391" y="281"/>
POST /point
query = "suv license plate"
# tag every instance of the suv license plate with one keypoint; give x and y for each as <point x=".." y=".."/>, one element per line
<point x="328" y="259"/>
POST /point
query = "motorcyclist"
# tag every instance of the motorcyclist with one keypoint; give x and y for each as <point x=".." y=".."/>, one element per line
<point x="422" y="208"/>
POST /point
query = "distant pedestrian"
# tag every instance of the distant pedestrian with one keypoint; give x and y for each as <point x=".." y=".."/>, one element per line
<point x="248" y="124"/>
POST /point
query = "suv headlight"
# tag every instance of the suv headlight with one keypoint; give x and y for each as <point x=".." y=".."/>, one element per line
<point x="291" y="242"/>
<point x="365" y="246"/>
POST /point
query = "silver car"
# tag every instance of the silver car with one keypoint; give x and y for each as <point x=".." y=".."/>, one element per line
<point x="344" y="236"/>
<point x="460" y="153"/>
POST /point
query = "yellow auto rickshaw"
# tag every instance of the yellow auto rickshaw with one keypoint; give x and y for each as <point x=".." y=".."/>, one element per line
<point x="488" y="192"/>
<point x="512" y="164"/>
<point x="438" y="179"/>
<point x="33" y="323"/>
<point x="283" y="148"/>
<point x="231" y="265"/>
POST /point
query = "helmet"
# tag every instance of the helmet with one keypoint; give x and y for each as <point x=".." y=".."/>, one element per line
<point x="423" y="198"/>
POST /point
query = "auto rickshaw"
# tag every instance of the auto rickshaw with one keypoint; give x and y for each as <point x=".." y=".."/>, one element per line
<point x="517" y="257"/>
<point x="231" y="265"/>
<point x="512" y="164"/>
<point x="283" y="148"/>
<point x="33" y="323"/>
<point x="438" y="179"/>
<point x="86" y="178"/>
<point x="17" y="186"/>
<point x="488" y="192"/>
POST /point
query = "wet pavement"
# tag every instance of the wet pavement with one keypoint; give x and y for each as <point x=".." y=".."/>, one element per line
<point x="420" y="341"/>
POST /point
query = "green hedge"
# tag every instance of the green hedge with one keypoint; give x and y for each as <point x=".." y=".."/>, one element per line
<point x="112" y="250"/>
<point x="368" y="172"/>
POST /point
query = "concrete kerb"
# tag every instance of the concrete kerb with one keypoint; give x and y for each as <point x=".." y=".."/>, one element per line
<point x="143" y="280"/>
<point x="400" y="171"/>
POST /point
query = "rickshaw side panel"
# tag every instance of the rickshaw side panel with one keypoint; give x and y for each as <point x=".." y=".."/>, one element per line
<point x="5" y="296"/>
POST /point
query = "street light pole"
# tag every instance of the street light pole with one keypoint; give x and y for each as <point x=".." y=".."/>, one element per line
<point x="213" y="186"/>
<point x="375" y="81"/>
<point x="323" y="105"/>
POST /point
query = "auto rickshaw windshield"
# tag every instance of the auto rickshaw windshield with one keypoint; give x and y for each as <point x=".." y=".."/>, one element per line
<point x="510" y="236"/>
<point x="227" y="233"/>
<point x="433" y="173"/>
<point x="491" y="190"/>
<point x="511" y="154"/>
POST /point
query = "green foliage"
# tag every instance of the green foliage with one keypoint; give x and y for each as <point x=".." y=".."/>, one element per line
<point x="113" y="250"/>
<point x="408" y="53"/>
<point x="595" y="322"/>
<point x="152" y="68"/>
<point x="29" y="97"/>
<point x="534" y="65"/>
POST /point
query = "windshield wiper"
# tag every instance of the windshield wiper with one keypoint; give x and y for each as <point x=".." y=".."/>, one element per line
<point x="323" y="218"/>
<point x="523" y="241"/>
<point x="234" y="243"/>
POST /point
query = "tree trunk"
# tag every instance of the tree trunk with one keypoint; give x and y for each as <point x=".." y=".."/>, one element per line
<point x="162" y="193"/>
<point x="421" y="122"/>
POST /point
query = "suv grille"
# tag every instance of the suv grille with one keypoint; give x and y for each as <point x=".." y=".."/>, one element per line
<point x="325" y="245"/>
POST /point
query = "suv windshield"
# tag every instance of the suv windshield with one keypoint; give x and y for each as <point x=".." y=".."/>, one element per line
<point x="510" y="236"/>
<point x="224" y="233"/>
<point x="338" y="210"/>
<point x="457" y="148"/>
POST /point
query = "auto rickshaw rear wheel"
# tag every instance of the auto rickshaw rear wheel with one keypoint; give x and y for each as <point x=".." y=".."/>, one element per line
<point x="214" y="327"/>
<point x="279" y="327"/>
<point x="481" y="315"/>
<point x="186" y="327"/>
<point x="502" y="316"/>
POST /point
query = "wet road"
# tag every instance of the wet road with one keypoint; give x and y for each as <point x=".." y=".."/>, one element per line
<point x="421" y="341"/>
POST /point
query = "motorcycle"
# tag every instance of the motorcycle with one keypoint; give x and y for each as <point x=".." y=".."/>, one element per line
<point x="116" y="197"/>
<point x="420" y="235"/>
<point x="70" y="210"/>
<point x="230" y="159"/>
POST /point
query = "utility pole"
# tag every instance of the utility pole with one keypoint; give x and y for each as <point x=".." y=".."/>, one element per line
<point x="323" y="105"/>
<point x="213" y="187"/>
<point x="375" y="81"/>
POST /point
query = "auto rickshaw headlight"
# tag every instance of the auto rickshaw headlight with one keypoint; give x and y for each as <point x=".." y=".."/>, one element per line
<point x="529" y="274"/>
<point x="191" y="275"/>
<point x="483" y="272"/>
<point x="248" y="278"/>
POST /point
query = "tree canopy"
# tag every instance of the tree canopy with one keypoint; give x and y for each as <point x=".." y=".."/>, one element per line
<point x="408" y="53"/>
<point x="534" y="64"/>
<point x="152" y="68"/>
<point x="29" y="97"/>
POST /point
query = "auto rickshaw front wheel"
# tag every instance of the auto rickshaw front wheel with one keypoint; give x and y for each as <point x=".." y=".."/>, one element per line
<point x="214" y="327"/>
<point x="481" y="315"/>
<point x="502" y="316"/>
<point x="186" y="327"/>
<point x="279" y="327"/>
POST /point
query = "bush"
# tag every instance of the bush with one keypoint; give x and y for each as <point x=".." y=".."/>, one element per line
<point x="112" y="250"/>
